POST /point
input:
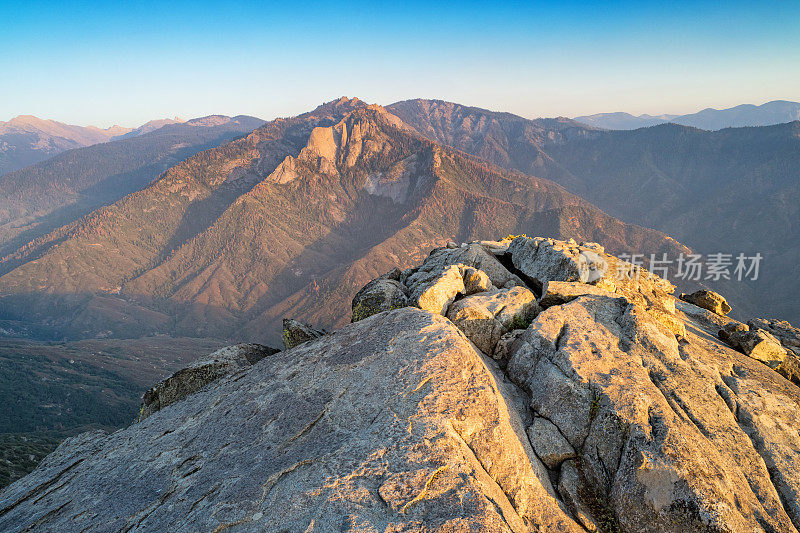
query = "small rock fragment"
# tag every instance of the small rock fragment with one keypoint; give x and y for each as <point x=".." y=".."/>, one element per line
<point x="296" y="332"/>
<point x="710" y="300"/>
<point x="548" y="443"/>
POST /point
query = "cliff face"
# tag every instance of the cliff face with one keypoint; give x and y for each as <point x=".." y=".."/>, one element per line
<point x="525" y="385"/>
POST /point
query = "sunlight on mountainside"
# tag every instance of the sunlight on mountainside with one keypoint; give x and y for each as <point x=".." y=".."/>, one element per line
<point x="434" y="304"/>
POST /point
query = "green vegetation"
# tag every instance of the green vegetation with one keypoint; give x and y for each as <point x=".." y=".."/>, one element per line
<point x="594" y="407"/>
<point x="21" y="452"/>
<point x="598" y="503"/>
<point x="54" y="390"/>
<point x="54" y="394"/>
<point x="520" y="322"/>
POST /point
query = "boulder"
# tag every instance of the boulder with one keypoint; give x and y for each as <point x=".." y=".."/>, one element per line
<point x="191" y="379"/>
<point x="549" y="444"/>
<point x="472" y="255"/>
<point x="486" y="316"/>
<point x="658" y="445"/>
<point x="542" y="260"/>
<point x="438" y="293"/>
<point x="382" y="294"/>
<point x="296" y="332"/>
<point x="729" y="328"/>
<point x="708" y="300"/>
<point x="561" y="292"/>
<point x="790" y="368"/>
<point x="435" y="293"/>
<point x="788" y="335"/>
<point x="760" y="345"/>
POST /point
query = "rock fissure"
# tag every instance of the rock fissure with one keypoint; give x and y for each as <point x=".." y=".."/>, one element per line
<point x="40" y="488"/>
<point x="507" y="501"/>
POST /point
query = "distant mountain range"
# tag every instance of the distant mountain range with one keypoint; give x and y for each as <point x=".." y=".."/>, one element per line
<point x="213" y="230"/>
<point x="44" y="196"/>
<point x="288" y="221"/>
<point x="293" y="217"/>
<point x="731" y="191"/>
<point x="775" y="112"/>
<point x="148" y="127"/>
<point x="26" y="140"/>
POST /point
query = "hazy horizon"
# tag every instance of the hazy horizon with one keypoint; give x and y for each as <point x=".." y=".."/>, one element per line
<point x="313" y="105"/>
<point x="78" y="64"/>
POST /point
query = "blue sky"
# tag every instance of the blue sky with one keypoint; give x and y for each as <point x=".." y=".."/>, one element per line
<point x="95" y="63"/>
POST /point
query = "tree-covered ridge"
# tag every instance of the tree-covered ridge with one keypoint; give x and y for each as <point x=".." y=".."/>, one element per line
<point x="54" y="390"/>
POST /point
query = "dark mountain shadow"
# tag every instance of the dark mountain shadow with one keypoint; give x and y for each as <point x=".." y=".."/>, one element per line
<point x="201" y="215"/>
<point x="370" y="221"/>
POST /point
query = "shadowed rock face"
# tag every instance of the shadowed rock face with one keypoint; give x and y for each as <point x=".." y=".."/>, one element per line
<point x="612" y="410"/>
<point x="189" y="380"/>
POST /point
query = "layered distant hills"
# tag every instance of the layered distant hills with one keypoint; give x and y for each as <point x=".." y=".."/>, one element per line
<point x="42" y="197"/>
<point x="731" y="191"/>
<point x="290" y="220"/>
<point x="25" y="140"/>
<point x="149" y="126"/>
<point x="775" y="112"/>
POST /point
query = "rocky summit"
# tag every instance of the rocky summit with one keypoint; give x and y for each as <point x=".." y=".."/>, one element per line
<point x="525" y="384"/>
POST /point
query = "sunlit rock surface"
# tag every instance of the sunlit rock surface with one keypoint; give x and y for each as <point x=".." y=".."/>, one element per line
<point x="615" y="408"/>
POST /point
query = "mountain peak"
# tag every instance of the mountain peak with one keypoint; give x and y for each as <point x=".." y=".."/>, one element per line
<point x="337" y="106"/>
<point x="28" y="119"/>
<point x="344" y="100"/>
